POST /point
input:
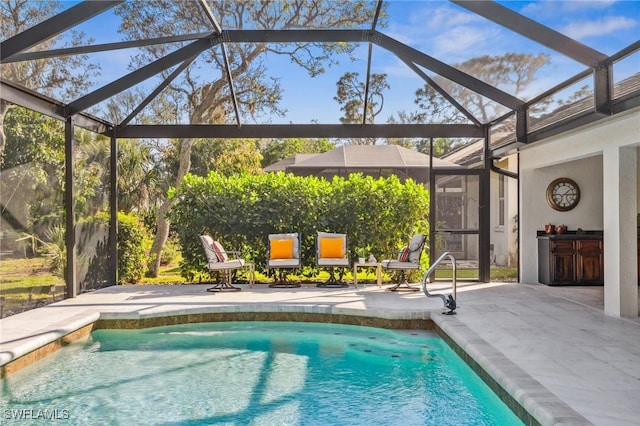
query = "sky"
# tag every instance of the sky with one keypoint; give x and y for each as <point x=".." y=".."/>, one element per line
<point x="444" y="30"/>
<point x="440" y="29"/>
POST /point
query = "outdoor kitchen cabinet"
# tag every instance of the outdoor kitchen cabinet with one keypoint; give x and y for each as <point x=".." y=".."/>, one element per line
<point x="570" y="259"/>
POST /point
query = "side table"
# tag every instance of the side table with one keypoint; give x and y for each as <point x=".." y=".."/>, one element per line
<point x="376" y="265"/>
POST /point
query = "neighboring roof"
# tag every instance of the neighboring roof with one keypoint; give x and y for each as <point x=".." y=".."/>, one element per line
<point x="282" y="165"/>
<point x="505" y="133"/>
<point x="620" y="89"/>
<point x="373" y="160"/>
<point x="370" y="157"/>
<point x="467" y="154"/>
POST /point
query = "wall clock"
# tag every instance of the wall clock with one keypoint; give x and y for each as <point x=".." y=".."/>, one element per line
<point x="563" y="194"/>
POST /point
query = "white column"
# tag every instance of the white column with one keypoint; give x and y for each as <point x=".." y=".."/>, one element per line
<point x="620" y="236"/>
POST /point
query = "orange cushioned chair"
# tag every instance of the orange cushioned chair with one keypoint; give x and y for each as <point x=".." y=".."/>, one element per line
<point x="283" y="254"/>
<point x="331" y="252"/>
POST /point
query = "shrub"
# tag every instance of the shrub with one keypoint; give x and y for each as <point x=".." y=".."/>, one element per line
<point x="131" y="254"/>
<point x="378" y="215"/>
<point x="56" y="249"/>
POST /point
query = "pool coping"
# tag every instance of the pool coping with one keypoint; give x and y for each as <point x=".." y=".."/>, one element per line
<point x="532" y="402"/>
<point x="526" y="397"/>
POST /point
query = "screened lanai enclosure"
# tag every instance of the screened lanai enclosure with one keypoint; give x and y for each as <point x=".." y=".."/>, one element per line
<point x="105" y="105"/>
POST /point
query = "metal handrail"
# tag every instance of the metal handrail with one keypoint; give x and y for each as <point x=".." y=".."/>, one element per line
<point x="450" y="300"/>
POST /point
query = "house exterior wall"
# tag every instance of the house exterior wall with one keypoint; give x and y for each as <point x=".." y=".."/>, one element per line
<point x="504" y="238"/>
<point x="498" y="235"/>
<point x="535" y="211"/>
<point x="471" y="218"/>
<point x="512" y="211"/>
<point x="597" y="158"/>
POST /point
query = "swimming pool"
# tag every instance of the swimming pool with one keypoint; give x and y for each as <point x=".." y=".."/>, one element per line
<point x="259" y="373"/>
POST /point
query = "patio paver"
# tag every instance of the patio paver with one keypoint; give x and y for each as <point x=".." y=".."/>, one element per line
<point x="552" y="349"/>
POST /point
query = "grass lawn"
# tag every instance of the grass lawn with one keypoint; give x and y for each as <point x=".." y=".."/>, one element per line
<point x="167" y="274"/>
<point x="25" y="282"/>
<point x="497" y="273"/>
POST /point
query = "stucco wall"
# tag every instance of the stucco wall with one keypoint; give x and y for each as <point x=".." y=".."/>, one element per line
<point x="638" y="188"/>
<point x="503" y="238"/>
<point x="577" y="155"/>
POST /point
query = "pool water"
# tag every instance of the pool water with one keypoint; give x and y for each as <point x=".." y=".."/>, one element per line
<point x="253" y="373"/>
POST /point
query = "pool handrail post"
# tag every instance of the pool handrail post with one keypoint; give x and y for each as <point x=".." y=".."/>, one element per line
<point x="450" y="300"/>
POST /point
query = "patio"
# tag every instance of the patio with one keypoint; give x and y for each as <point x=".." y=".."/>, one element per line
<point x="553" y="349"/>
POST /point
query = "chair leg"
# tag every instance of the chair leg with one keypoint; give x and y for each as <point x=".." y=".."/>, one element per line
<point x="403" y="284"/>
<point x="225" y="285"/>
<point x="332" y="282"/>
<point x="282" y="281"/>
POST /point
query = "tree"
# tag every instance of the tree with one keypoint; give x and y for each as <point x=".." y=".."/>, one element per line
<point x="403" y="117"/>
<point x="226" y="156"/>
<point x="141" y="162"/>
<point x="441" y="146"/>
<point x="580" y="94"/>
<point x="351" y="97"/>
<point x="512" y="72"/>
<point x="91" y="172"/>
<point x="204" y="97"/>
<point x="32" y="169"/>
<point x="65" y="76"/>
<point x="139" y="176"/>
<point x="279" y="149"/>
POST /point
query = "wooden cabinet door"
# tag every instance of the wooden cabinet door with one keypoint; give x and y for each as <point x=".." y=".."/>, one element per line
<point x="590" y="268"/>
<point x="590" y="262"/>
<point x="563" y="268"/>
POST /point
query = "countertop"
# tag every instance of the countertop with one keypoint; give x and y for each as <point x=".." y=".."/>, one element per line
<point x="572" y="235"/>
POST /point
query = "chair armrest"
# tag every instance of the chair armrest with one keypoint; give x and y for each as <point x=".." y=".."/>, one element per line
<point x="232" y="254"/>
<point x="237" y="253"/>
<point x="393" y="255"/>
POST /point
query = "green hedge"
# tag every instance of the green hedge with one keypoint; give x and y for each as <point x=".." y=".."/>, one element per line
<point x="378" y="215"/>
<point x="131" y="254"/>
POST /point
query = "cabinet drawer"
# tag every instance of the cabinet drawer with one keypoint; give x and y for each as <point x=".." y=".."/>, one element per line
<point x="589" y="245"/>
<point x="562" y="245"/>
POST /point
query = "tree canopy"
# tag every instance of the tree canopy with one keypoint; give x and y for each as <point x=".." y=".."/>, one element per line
<point x="512" y="72"/>
<point x="63" y="76"/>
<point x="279" y="149"/>
<point x="202" y="94"/>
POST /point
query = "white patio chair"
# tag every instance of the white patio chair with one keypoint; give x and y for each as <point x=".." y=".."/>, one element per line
<point x="218" y="259"/>
<point x="408" y="260"/>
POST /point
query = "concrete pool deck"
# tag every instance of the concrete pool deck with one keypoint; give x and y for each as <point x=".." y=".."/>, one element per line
<point x="552" y="349"/>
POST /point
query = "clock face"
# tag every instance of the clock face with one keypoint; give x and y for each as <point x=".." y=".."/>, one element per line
<point x="563" y="194"/>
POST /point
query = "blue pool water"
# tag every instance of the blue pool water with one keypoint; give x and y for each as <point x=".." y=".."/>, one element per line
<point x="253" y="373"/>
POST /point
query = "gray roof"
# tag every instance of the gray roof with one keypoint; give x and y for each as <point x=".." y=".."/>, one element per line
<point x="369" y="157"/>
<point x="281" y="166"/>
<point x="373" y="160"/>
<point x="472" y="152"/>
